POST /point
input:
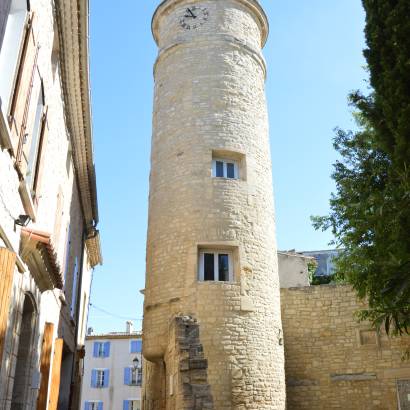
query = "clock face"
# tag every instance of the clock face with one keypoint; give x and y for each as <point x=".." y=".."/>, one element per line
<point x="194" y="17"/>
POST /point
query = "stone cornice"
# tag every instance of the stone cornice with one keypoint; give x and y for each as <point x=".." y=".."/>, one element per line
<point x="253" y="5"/>
<point x="72" y="20"/>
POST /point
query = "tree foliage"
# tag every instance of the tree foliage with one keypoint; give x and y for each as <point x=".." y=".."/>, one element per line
<point x="370" y="210"/>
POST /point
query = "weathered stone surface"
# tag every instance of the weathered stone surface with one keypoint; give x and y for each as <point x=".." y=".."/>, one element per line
<point x="329" y="364"/>
<point x="209" y="101"/>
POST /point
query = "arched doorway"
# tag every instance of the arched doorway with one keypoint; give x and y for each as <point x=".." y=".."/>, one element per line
<point x="22" y="379"/>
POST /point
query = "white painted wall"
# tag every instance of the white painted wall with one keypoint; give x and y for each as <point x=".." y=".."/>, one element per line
<point x="120" y="358"/>
<point x="293" y="270"/>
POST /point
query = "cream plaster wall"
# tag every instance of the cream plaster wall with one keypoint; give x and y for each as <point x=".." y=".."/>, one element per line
<point x="120" y="357"/>
<point x="293" y="270"/>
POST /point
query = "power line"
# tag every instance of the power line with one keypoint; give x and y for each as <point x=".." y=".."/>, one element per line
<point x="113" y="314"/>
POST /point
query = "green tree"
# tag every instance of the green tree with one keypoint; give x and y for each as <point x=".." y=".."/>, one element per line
<point x="370" y="210"/>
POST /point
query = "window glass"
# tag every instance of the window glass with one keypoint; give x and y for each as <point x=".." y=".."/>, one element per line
<point x="223" y="265"/>
<point x="34" y="143"/>
<point x="219" y="169"/>
<point x="100" y="349"/>
<point x="100" y="378"/>
<point x="230" y="170"/>
<point x="209" y="270"/>
<point x="224" y="168"/>
<point x="215" y="266"/>
<point x="134" y="376"/>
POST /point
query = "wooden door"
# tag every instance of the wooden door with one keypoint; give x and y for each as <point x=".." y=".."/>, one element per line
<point x="7" y="263"/>
<point x="45" y="361"/>
<point x="55" y="375"/>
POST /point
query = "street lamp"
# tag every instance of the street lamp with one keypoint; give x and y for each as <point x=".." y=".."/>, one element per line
<point x="136" y="363"/>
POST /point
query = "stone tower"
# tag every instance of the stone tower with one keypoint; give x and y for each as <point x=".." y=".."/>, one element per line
<point x="212" y="323"/>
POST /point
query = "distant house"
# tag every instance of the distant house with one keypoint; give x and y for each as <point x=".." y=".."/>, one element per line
<point x="324" y="259"/>
<point x="112" y="371"/>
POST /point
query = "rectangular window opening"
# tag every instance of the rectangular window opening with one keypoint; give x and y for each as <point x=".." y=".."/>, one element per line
<point x="216" y="266"/>
<point x="225" y="168"/>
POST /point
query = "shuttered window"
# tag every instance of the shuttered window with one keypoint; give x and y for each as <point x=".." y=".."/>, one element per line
<point x="31" y="144"/>
<point x="136" y="346"/>
<point x="132" y="376"/>
<point x="101" y="349"/>
<point x="132" y="404"/>
<point x="93" y="405"/>
<point x="25" y="80"/>
<point x="100" y="378"/>
<point x="39" y="163"/>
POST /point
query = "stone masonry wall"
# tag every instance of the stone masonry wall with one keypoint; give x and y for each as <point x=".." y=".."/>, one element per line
<point x="210" y="101"/>
<point x="334" y="362"/>
<point x="188" y="387"/>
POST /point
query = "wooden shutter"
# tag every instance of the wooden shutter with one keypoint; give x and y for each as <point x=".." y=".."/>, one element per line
<point x="106" y="378"/>
<point x="127" y="376"/>
<point x="55" y="375"/>
<point x="20" y="101"/>
<point x="58" y="218"/>
<point x="93" y="378"/>
<point x="95" y="349"/>
<point x="7" y="263"/>
<point x="107" y="349"/>
<point x="39" y="166"/>
<point x="45" y="366"/>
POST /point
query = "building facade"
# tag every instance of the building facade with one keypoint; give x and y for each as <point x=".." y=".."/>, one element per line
<point x="324" y="260"/>
<point x="112" y="372"/>
<point x="212" y="320"/>
<point x="49" y="243"/>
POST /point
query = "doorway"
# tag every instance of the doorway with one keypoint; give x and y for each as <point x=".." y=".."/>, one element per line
<point x="22" y="376"/>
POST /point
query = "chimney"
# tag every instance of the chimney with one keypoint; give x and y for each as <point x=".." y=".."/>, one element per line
<point x="129" y="327"/>
<point x="90" y="331"/>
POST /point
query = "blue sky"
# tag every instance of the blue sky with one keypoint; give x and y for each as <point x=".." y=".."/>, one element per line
<point x="314" y="57"/>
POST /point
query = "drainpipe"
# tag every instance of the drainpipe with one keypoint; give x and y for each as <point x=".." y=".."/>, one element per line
<point x="77" y="318"/>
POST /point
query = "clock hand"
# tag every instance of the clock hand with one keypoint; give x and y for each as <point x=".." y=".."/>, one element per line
<point x="190" y="13"/>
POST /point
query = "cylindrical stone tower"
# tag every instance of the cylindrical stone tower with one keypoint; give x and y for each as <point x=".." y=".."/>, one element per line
<point x="211" y="250"/>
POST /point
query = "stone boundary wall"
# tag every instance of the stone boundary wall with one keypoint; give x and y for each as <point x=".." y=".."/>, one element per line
<point x="335" y="362"/>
